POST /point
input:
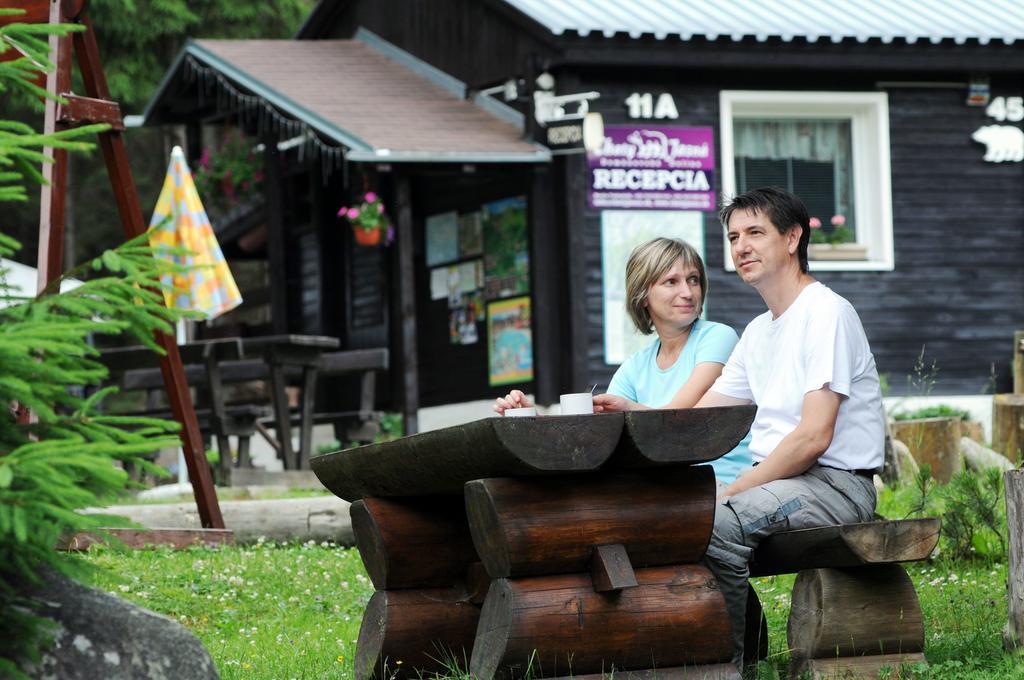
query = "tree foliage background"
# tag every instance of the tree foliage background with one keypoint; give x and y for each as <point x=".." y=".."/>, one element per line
<point x="138" y="41"/>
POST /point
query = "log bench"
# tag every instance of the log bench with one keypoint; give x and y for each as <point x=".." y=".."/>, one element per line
<point x="854" y="609"/>
<point x="564" y="546"/>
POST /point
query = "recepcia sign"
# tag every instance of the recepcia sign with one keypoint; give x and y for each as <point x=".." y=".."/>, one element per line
<point x="648" y="167"/>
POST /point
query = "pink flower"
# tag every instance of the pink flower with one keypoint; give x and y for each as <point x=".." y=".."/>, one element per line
<point x="342" y="211"/>
<point x="204" y="160"/>
<point x="380" y="208"/>
<point x="370" y="197"/>
<point x="838" y="220"/>
<point x="815" y="223"/>
<point x="353" y="213"/>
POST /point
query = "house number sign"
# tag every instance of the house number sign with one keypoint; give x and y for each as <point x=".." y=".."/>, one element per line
<point x="1003" y="143"/>
<point x="643" y="105"/>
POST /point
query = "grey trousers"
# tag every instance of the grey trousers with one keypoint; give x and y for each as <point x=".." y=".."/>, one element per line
<point x="819" y="497"/>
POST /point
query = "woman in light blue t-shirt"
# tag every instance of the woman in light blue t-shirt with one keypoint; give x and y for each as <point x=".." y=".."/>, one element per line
<point x="665" y="289"/>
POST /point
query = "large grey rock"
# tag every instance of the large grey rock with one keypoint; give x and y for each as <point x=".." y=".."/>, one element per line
<point x="907" y="464"/>
<point x="101" y="636"/>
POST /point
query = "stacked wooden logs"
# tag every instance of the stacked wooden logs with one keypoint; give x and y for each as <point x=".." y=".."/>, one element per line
<point x="424" y="613"/>
<point x="573" y="549"/>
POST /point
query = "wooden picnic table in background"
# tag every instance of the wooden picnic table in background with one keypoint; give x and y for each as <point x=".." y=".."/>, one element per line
<point x="211" y="364"/>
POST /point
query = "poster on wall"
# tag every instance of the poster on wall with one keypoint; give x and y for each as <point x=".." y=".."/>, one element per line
<point x="442" y="236"/>
<point x="509" y="341"/>
<point x="652" y="167"/>
<point x="439" y="283"/>
<point x="621" y="231"/>
<point x="506" y="248"/>
<point x="471" y="234"/>
<point x="462" y="325"/>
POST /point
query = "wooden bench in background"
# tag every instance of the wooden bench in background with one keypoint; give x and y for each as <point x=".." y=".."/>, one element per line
<point x="216" y="420"/>
<point x="211" y="365"/>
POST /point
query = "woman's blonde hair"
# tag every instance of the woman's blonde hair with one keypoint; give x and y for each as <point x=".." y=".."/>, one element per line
<point x="646" y="264"/>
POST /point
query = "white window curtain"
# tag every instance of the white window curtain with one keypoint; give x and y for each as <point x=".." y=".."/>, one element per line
<point x="807" y="147"/>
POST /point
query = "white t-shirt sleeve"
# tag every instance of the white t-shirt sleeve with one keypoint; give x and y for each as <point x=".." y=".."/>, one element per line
<point x="830" y="355"/>
<point x="733" y="382"/>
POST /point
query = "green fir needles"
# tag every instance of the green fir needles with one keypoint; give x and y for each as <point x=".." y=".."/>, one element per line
<point x="64" y="459"/>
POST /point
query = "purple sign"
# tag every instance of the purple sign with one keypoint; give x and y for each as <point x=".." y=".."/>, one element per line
<point x="647" y="167"/>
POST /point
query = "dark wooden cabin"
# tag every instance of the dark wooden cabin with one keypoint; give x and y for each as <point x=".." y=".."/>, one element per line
<point x="888" y="99"/>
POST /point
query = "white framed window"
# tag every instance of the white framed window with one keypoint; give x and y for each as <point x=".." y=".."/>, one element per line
<point x="829" y="148"/>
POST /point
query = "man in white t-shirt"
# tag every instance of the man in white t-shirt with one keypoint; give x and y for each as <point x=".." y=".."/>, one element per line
<point x="819" y="430"/>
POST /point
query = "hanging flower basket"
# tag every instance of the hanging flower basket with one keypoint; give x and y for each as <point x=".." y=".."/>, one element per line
<point x="229" y="176"/>
<point x="367" y="238"/>
<point x="369" y="223"/>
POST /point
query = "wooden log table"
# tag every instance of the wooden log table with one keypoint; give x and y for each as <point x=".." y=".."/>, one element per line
<point x="545" y="546"/>
<point x="570" y="546"/>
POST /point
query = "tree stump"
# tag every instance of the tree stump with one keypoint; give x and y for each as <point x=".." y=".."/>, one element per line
<point x="853" y="622"/>
<point x="973" y="430"/>
<point x="934" y="442"/>
<point x="1013" y="634"/>
<point x="1008" y="425"/>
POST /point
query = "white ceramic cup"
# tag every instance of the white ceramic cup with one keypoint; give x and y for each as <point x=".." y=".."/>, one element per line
<point x="579" y="403"/>
<point x="520" y="412"/>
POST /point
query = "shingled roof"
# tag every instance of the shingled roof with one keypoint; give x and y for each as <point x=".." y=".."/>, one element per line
<point x="381" y="104"/>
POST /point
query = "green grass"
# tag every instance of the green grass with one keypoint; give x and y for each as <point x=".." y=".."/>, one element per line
<point x="276" y="611"/>
<point x="263" y="611"/>
<point x="964" y="607"/>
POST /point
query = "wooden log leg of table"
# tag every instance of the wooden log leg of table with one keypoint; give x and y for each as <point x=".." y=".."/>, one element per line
<point x="243" y="453"/>
<point x="414" y="633"/>
<point x="558" y="625"/>
<point x="854" y="622"/>
<point x="413" y="542"/>
<point x="306" y="420"/>
<point x="281" y="415"/>
<point x="224" y="458"/>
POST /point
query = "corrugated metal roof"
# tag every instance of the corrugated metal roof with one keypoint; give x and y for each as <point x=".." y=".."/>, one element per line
<point x="366" y="100"/>
<point x="835" y="20"/>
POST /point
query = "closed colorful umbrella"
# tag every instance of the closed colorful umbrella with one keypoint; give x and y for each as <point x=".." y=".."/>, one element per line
<point x="179" y="220"/>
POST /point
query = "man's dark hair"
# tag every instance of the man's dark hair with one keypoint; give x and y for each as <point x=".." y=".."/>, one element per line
<point x="785" y="211"/>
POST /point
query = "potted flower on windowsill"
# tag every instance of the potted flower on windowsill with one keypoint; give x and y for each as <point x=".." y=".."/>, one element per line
<point x="369" y="222"/>
<point x="835" y="242"/>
